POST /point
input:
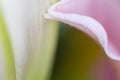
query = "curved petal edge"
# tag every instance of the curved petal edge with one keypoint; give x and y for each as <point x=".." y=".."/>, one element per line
<point x="86" y="24"/>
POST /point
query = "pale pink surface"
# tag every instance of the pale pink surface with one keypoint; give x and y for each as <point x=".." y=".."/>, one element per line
<point x="106" y="12"/>
<point x="103" y="69"/>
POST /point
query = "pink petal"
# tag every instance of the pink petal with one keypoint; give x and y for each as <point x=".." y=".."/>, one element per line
<point x="80" y="14"/>
<point x="103" y="69"/>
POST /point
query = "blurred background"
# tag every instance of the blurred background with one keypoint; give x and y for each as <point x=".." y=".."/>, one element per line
<point x="78" y="57"/>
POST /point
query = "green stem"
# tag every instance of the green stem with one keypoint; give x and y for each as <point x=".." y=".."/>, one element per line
<point x="7" y="50"/>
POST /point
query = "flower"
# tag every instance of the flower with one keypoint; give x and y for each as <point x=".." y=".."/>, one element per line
<point x="28" y="39"/>
<point x="97" y="18"/>
<point x="29" y="35"/>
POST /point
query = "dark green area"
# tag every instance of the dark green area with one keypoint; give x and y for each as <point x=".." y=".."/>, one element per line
<point x="75" y="55"/>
